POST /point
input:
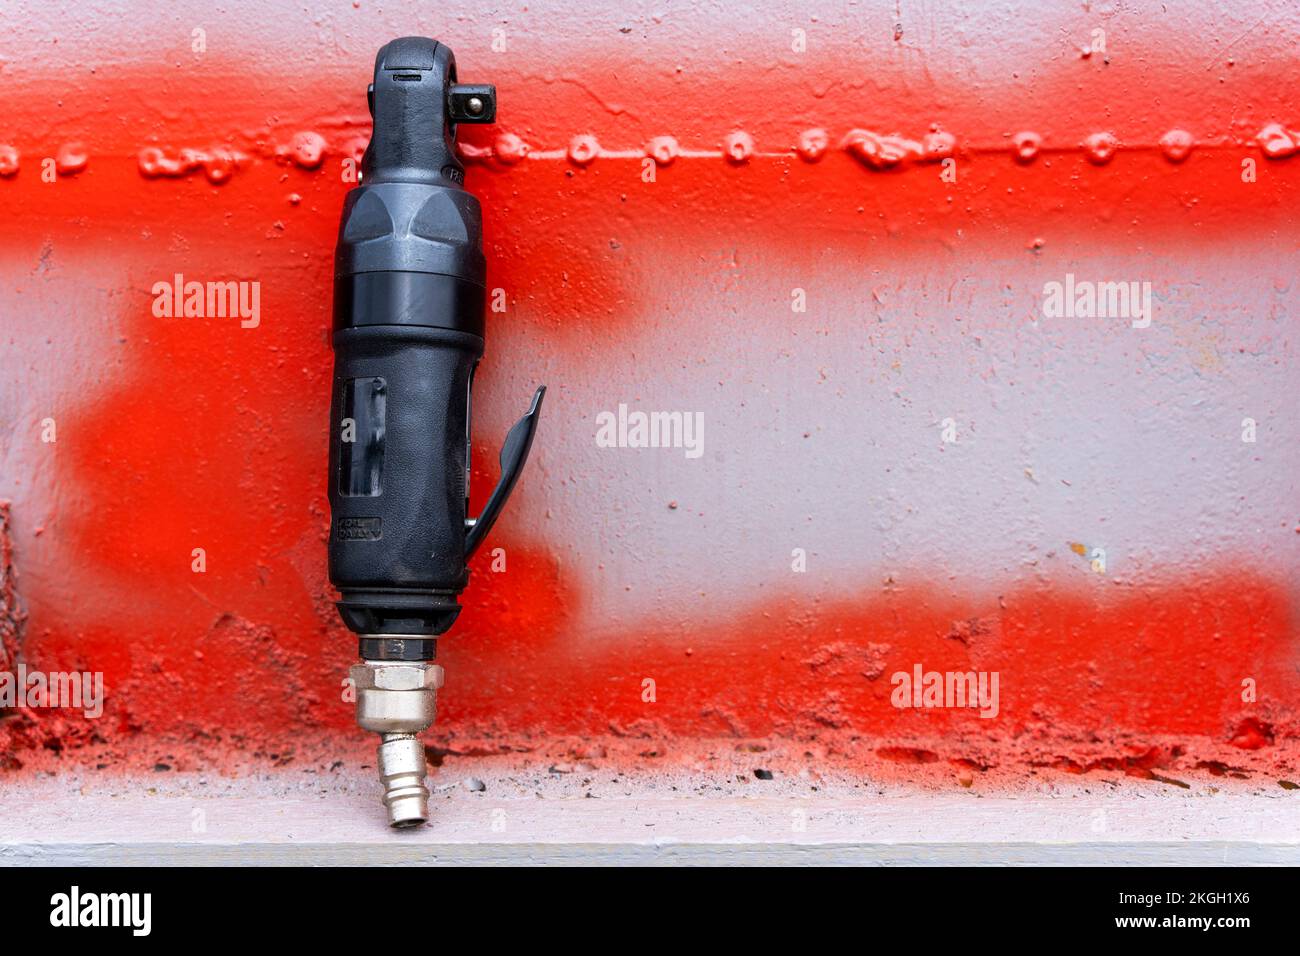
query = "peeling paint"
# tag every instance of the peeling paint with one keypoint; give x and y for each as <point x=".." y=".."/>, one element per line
<point x="923" y="305"/>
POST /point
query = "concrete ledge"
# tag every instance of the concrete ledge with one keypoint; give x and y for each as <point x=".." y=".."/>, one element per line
<point x="310" y="818"/>
<point x="627" y="854"/>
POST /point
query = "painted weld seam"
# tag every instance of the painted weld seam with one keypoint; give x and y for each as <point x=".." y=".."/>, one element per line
<point x="874" y="150"/>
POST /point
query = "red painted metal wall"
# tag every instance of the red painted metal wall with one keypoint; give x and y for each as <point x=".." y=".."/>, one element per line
<point x="829" y="235"/>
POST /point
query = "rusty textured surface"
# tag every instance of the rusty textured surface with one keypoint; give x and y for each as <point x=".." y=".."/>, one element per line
<point x="774" y="171"/>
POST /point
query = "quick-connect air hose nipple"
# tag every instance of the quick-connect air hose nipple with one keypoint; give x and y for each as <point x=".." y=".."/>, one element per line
<point x="398" y="700"/>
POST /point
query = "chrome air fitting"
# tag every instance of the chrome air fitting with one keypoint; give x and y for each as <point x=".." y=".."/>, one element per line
<point x="399" y="700"/>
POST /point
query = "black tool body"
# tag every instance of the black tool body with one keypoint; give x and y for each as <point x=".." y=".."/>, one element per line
<point x="409" y="287"/>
